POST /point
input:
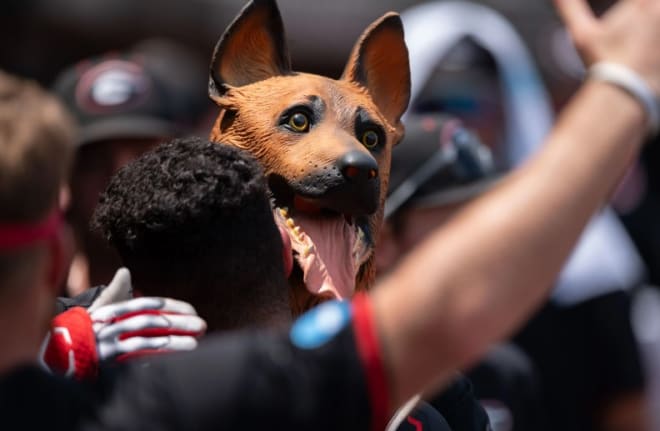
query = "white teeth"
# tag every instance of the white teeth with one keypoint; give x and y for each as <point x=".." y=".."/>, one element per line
<point x="360" y="248"/>
<point x="290" y="223"/>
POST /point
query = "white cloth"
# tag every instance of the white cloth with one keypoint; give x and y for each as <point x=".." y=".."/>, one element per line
<point x="605" y="259"/>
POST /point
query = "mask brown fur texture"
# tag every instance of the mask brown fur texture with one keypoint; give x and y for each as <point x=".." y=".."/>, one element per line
<point x="253" y="84"/>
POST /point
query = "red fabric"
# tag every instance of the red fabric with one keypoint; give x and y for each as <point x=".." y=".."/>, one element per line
<point x="368" y="347"/>
<point x="23" y="234"/>
<point x="157" y="332"/>
<point x="416" y="423"/>
<point x="71" y="348"/>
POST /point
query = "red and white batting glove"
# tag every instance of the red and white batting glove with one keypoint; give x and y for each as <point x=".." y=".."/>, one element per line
<point x="117" y="328"/>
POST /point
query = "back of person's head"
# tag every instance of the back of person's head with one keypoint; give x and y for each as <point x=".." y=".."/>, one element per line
<point x="36" y="144"/>
<point x="192" y="220"/>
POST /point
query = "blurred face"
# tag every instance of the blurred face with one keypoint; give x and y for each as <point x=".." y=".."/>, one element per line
<point x="95" y="164"/>
<point x="466" y="84"/>
<point x="473" y="96"/>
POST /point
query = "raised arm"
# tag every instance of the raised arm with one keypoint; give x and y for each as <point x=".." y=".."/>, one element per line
<point x="473" y="282"/>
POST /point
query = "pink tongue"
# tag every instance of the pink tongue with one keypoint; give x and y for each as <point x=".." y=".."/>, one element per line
<point x="329" y="267"/>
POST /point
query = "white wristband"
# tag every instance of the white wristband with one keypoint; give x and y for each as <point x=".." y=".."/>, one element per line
<point x="628" y="80"/>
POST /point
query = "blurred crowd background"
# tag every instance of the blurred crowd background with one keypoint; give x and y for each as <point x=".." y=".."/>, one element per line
<point x="56" y="42"/>
<point x="40" y="37"/>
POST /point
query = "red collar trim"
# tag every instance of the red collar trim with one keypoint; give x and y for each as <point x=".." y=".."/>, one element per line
<point x="17" y="235"/>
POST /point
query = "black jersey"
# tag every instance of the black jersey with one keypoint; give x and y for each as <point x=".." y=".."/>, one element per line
<point x="320" y="376"/>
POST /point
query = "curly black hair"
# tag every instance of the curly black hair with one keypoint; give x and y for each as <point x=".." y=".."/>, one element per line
<point x="191" y="220"/>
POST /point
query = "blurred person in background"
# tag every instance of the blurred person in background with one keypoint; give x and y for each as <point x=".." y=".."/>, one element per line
<point x="125" y="103"/>
<point x="636" y="201"/>
<point x="36" y="146"/>
<point x="37" y="138"/>
<point x="468" y="61"/>
<point x="439" y="167"/>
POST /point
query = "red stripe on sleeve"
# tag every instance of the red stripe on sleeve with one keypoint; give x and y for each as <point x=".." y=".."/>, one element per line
<point x="368" y="347"/>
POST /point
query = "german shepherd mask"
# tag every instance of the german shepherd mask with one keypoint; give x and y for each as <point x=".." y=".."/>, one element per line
<point x="325" y="144"/>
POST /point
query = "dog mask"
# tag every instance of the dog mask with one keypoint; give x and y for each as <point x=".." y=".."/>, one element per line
<point x="325" y="144"/>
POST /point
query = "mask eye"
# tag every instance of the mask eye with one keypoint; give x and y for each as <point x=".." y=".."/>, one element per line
<point x="299" y="122"/>
<point x="370" y="139"/>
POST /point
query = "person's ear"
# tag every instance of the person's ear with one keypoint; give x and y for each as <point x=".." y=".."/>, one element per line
<point x="388" y="250"/>
<point x="287" y="252"/>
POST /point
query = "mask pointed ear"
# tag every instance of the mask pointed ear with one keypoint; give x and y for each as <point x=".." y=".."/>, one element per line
<point x="379" y="62"/>
<point x="253" y="48"/>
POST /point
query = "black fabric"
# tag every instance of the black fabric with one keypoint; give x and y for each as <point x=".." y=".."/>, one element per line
<point x="586" y="355"/>
<point x="642" y="220"/>
<point x="247" y="381"/>
<point x="85" y="299"/>
<point x="460" y="408"/>
<point x="424" y="418"/>
<point x="31" y="399"/>
<point x="507" y="384"/>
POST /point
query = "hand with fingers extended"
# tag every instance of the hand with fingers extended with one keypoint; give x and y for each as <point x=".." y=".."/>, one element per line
<point x="627" y="34"/>
<point x="143" y="326"/>
<point x="116" y="327"/>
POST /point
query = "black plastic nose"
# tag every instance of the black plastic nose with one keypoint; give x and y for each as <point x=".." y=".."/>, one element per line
<point x="358" y="166"/>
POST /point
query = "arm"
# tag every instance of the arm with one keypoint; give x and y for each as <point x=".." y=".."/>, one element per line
<point x="473" y="282"/>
